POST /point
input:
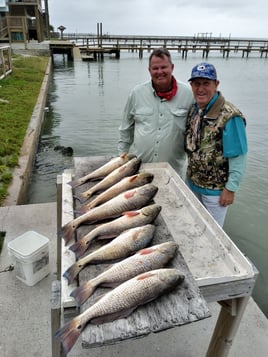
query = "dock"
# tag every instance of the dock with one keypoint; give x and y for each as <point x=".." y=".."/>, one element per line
<point x="97" y="44"/>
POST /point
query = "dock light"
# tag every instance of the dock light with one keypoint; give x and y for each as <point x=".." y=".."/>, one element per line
<point x="61" y="28"/>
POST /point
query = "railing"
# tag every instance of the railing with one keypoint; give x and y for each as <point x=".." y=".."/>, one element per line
<point x="3" y="28"/>
<point x="5" y="61"/>
<point x="182" y="44"/>
<point x="25" y="2"/>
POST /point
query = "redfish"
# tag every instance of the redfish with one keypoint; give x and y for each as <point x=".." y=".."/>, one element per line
<point x="129" y="168"/>
<point x="108" y="230"/>
<point x="126" y="201"/>
<point x="125" y="184"/>
<point x="104" y="170"/>
<point x="121" y="302"/>
<point x="154" y="257"/>
<point x="122" y="246"/>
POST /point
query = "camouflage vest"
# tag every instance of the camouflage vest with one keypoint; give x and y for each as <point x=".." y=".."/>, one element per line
<point x="207" y="168"/>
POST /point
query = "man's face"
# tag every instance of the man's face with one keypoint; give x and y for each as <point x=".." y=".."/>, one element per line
<point x="161" y="70"/>
<point x="203" y="90"/>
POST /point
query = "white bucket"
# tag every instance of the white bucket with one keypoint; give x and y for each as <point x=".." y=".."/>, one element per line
<point x="31" y="254"/>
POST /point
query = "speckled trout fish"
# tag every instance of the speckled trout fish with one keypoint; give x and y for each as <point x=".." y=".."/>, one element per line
<point x="154" y="257"/>
<point x="112" y="229"/>
<point x="104" y="170"/>
<point x="126" y="183"/>
<point x="121" y="247"/>
<point x="121" y="302"/>
<point x="129" y="168"/>
<point x="126" y="201"/>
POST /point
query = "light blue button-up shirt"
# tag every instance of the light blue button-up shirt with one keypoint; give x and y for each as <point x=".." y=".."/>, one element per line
<point x="153" y="128"/>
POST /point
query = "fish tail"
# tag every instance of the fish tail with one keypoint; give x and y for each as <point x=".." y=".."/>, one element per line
<point x="77" y="197"/>
<point x="72" y="272"/>
<point x="83" y="292"/>
<point x="67" y="231"/>
<point x="75" y="183"/>
<point x="69" y="333"/>
<point x="80" y="247"/>
<point x="82" y="209"/>
<point x="84" y="196"/>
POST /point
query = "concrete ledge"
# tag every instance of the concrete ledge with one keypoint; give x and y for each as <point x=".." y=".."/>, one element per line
<point x="18" y="188"/>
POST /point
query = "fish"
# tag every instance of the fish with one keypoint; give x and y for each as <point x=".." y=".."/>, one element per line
<point x="127" y="243"/>
<point x="154" y="257"/>
<point x="124" y="184"/>
<point x="125" y="201"/>
<point x="129" y="219"/>
<point x="129" y="168"/>
<point x="120" y="302"/>
<point x="104" y="170"/>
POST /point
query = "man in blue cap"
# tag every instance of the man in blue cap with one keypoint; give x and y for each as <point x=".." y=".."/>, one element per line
<point x="215" y="143"/>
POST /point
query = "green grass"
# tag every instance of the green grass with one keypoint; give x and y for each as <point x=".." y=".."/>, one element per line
<point x="19" y="92"/>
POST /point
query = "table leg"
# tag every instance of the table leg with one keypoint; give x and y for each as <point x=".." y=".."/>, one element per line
<point x="226" y="328"/>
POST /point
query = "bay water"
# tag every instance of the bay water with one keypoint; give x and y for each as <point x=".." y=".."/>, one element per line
<point x="85" y="105"/>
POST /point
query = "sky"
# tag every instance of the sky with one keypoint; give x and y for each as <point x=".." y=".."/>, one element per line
<point x="234" y="18"/>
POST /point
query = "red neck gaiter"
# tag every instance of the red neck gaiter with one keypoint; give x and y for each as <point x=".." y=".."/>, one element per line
<point x="171" y="93"/>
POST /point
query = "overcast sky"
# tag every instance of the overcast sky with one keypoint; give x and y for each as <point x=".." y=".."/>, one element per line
<point x="235" y="18"/>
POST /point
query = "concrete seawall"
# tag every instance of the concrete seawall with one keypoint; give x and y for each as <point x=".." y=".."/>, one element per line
<point x="18" y="188"/>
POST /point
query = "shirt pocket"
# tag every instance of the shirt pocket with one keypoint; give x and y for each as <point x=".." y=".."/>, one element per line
<point x="180" y="116"/>
<point x="143" y="114"/>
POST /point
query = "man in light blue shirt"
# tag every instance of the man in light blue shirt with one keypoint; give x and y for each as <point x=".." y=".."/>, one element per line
<point x="215" y="142"/>
<point x="155" y="114"/>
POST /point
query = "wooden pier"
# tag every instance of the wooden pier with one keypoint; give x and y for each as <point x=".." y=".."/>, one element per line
<point x="95" y="46"/>
<point x="184" y="45"/>
<point x="62" y="47"/>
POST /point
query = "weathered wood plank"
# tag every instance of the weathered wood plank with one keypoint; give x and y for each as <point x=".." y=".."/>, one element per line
<point x="68" y="257"/>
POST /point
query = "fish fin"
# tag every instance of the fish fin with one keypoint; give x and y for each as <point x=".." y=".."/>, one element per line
<point x="80" y="247"/>
<point x="72" y="272"/>
<point x="129" y="194"/>
<point x="130" y="213"/>
<point x="145" y="275"/>
<point x="69" y="333"/>
<point x="146" y="251"/>
<point x="133" y="178"/>
<point x="67" y="231"/>
<point x="83" y="292"/>
<point x="107" y="236"/>
<point x="112" y="317"/>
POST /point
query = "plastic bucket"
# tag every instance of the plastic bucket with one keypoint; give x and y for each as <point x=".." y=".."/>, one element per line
<point x="31" y="255"/>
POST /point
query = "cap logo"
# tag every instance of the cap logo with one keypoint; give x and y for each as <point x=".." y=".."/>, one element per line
<point x="201" y="67"/>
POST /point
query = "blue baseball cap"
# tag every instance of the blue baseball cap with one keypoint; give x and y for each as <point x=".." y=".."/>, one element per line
<point x="204" y="70"/>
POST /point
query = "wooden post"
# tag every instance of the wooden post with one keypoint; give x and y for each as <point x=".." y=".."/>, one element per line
<point x="59" y="224"/>
<point x="55" y="301"/>
<point x="226" y="328"/>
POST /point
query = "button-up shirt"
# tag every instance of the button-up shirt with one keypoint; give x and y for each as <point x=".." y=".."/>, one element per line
<point x="153" y="128"/>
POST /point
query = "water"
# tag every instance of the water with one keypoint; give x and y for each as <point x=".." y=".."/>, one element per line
<point x="86" y="101"/>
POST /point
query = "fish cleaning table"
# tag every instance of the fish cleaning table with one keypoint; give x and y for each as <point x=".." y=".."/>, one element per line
<point x="214" y="268"/>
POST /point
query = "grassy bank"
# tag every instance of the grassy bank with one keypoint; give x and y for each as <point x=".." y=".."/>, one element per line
<point x="18" y="95"/>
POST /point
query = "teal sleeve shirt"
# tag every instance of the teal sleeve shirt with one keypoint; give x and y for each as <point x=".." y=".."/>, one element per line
<point x="235" y="149"/>
<point x="153" y="128"/>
